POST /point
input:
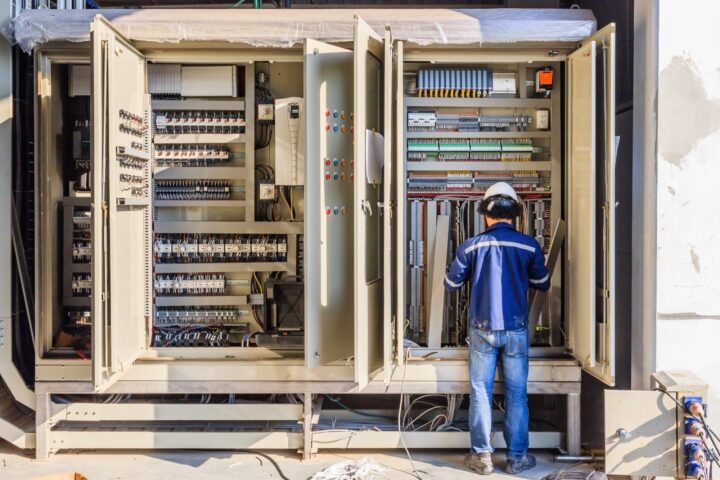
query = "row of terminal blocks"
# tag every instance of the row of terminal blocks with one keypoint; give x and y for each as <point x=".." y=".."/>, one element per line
<point x="210" y="248"/>
<point x="177" y="122"/>
<point x="191" y="155"/>
<point x="472" y="145"/>
<point x="201" y="284"/>
<point x="81" y="284"/>
<point x="431" y="121"/>
<point x="192" y="189"/>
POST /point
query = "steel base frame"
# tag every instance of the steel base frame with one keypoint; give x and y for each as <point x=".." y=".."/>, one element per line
<point x="57" y="424"/>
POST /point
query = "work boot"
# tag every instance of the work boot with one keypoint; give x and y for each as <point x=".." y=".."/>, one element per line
<point x="479" y="462"/>
<point x="520" y="465"/>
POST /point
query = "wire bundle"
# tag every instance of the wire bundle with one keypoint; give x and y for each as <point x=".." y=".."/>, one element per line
<point x="363" y="469"/>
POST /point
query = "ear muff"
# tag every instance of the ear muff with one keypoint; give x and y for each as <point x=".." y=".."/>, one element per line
<point x="499" y="206"/>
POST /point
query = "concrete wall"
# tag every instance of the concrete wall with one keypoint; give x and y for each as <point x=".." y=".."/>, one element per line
<point x="688" y="183"/>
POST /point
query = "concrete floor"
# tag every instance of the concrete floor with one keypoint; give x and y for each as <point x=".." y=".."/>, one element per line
<point x="213" y="465"/>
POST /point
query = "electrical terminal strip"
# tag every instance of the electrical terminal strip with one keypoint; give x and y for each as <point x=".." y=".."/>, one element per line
<point x="192" y="155"/>
<point x="179" y="122"/>
<point x="209" y="248"/>
<point x="81" y="285"/>
<point x="179" y="285"/>
<point x="81" y="251"/>
<point x="427" y="146"/>
<point x="81" y="235"/>
<point x="431" y="121"/>
<point x="81" y="218"/>
<point x="193" y="190"/>
<point x="198" y="316"/>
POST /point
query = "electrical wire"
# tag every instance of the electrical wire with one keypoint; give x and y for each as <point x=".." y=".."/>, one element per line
<point x="269" y="459"/>
<point x="415" y="472"/>
<point x="359" y="412"/>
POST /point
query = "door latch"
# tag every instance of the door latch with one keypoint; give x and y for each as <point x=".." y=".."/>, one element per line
<point x="366" y="208"/>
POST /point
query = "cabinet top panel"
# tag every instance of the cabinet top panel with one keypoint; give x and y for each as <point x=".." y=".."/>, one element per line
<point x="288" y="28"/>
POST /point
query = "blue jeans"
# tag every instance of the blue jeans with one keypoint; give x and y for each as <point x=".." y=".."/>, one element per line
<point x="484" y="348"/>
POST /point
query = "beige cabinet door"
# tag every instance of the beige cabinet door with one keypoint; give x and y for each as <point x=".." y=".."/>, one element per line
<point x="121" y="264"/>
<point x="329" y="245"/>
<point x="590" y="202"/>
<point x="369" y="202"/>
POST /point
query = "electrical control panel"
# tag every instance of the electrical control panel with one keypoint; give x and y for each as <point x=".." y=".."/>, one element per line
<point x="464" y="130"/>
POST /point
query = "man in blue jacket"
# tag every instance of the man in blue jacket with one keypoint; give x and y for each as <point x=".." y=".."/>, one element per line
<point x="501" y="265"/>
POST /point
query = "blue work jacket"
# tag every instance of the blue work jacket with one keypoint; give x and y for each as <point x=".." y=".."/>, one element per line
<point x="502" y="264"/>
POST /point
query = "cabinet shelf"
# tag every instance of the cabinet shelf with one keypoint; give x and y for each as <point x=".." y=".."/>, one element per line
<point x="540" y="166"/>
<point x="250" y="228"/>
<point x="478" y="102"/>
<point x="221" y="267"/>
<point x="433" y="135"/>
<point x="192" y="173"/>
<point x="198" y="203"/>
<point x="77" y="301"/>
<point x="166" y="138"/>
<point x="203" y="104"/>
<point x="189" y="300"/>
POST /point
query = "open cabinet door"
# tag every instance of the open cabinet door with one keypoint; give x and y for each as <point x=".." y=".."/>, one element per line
<point x="591" y="204"/>
<point x="329" y="247"/>
<point x="368" y="221"/>
<point x="121" y="208"/>
<point x="388" y="250"/>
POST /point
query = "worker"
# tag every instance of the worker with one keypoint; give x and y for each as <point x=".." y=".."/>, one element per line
<point x="501" y="264"/>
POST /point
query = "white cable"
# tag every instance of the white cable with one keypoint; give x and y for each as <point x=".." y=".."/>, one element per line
<point x="363" y="469"/>
<point x="415" y="472"/>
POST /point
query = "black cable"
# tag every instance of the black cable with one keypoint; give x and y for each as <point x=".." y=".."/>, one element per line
<point x="269" y="459"/>
<point x="710" y="432"/>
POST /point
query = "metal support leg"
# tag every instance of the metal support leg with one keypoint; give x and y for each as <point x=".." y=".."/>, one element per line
<point x="42" y="426"/>
<point x="307" y="427"/>
<point x="573" y="424"/>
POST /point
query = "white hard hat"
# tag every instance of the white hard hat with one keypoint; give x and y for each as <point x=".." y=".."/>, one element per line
<point x="501" y="188"/>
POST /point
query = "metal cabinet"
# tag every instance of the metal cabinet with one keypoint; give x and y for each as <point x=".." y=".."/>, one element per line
<point x="579" y="174"/>
<point x="355" y="229"/>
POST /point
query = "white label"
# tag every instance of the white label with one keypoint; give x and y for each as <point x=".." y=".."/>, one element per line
<point x="282" y="247"/>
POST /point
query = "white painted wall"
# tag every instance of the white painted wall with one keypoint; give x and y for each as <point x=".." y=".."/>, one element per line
<point x="688" y="192"/>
